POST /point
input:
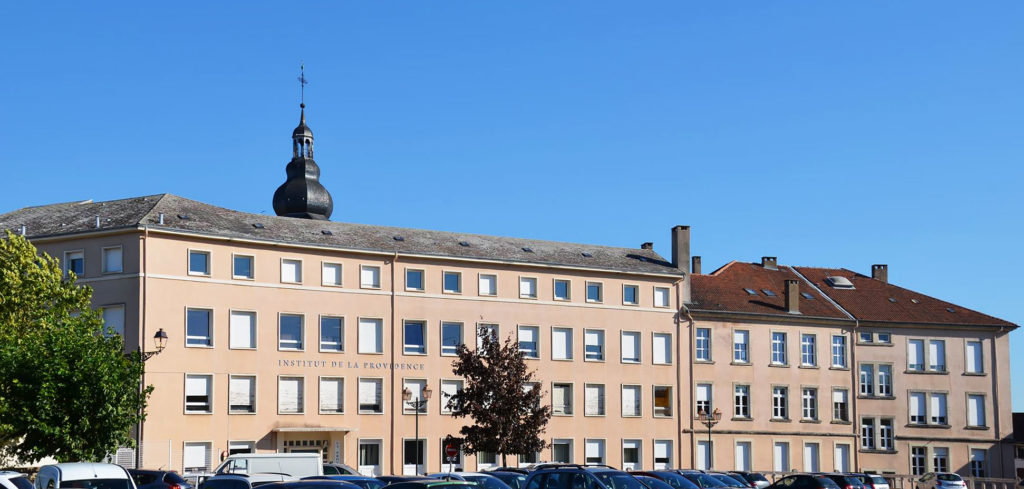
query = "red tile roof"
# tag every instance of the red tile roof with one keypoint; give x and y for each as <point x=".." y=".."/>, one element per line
<point x="875" y="300"/>
<point x="723" y="291"/>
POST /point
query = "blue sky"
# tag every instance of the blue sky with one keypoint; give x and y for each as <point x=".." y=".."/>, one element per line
<point x="824" y="133"/>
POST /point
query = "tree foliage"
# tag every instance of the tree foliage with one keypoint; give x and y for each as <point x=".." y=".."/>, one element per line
<point x="67" y="389"/>
<point x="508" y="418"/>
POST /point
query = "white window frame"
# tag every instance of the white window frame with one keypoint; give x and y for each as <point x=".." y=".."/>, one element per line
<point x="480" y="284"/>
<point x="462" y="337"/>
<point x="253" y="333"/>
<point x="569" y="344"/>
<point x="444" y="282"/>
<point x="405" y="341"/>
<point x="567" y="408"/>
<point x="639" y="411"/>
<point x="535" y="355"/>
<point x="341" y="339"/>
<point x="188" y="262"/>
<point x="638" y="339"/>
<point x="808" y="358"/>
<point x="600" y="292"/>
<point x="667" y="353"/>
<point x="602" y="401"/>
<point x="741" y="410"/>
<point x="375" y="269"/>
<point x="603" y="344"/>
<point x="568" y="289"/>
<point x="671" y="402"/>
<point x="423" y="280"/>
<point x="981" y="414"/>
<point x="252" y="267"/>
<point x="340" y="274"/>
<point x="460" y="386"/>
<point x="779" y="353"/>
<point x="421" y="385"/>
<point x="531" y="282"/>
<point x="209" y="339"/>
<point x="105" y="268"/>
<point x="667" y="295"/>
<point x="302" y="331"/>
<point x="298" y="274"/>
<point x="209" y="394"/>
<point x="110" y="309"/>
<point x="741" y="351"/>
<point x="702" y="354"/>
<point x="301" y="400"/>
<point x="780" y="402"/>
<point x="636" y="294"/>
<point x="255" y="393"/>
<point x="845" y="418"/>
<point x="379" y="381"/>
<point x="843" y="353"/>
<point x="980" y="367"/>
<point x="320" y="394"/>
<point x="379" y="322"/>
<point x="809" y="403"/>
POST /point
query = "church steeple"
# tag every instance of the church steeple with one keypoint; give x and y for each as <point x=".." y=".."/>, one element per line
<point x="302" y="195"/>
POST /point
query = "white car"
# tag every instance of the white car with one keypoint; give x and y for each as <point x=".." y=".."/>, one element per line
<point x="940" y="480"/>
<point x="14" y="480"/>
<point x="84" y="475"/>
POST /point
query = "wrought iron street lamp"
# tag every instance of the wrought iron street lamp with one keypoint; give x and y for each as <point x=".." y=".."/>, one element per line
<point x="709" y="420"/>
<point x="159" y="341"/>
<point x="418" y="404"/>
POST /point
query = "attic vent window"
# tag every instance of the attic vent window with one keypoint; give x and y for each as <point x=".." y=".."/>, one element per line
<point x="464" y="243"/>
<point x="950" y="309"/>
<point x="915" y="301"/>
<point x="807" y="295"/>
<point x="398" y="238"/>
<point x="184" y="217"/>
<point x="892" y="299"/>
<point x="326" y="232"/>
<point x="768" y="292"/>
<point x="587" y="255"/>
<point x="528" y="249"/>
<point x="257" y="225"/>
<point x="838" y="282"/>
<point x="751" y="291"/>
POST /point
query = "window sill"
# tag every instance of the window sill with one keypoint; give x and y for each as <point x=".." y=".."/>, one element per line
<point x="335" y="286"/>
<point x="329" y="413"/>
<point x="930" y="426"/>
<point x="780" y="420"/>
<point x="877" y="450"/>
<point x="253" y="348"/>
<point x="740" y="364"/>
<point x="300" y="350"/>
<point x="413" y="413"/>
<point x="210" y="347"/>
<point x="321" y="351"/>
<point x="742" y="419"/>
<point x="812" y="367"/>
<point x="369" y="287"/>
<point x="417" y="354"/>
<point x="630" y="362"/>
<point x="778" y="365"/>
<point x="244" y="413"/>
<point x="926" y="372"/>
<point x="812" y="421"/>
<point x="563" y="415"/>
<point x="533" y="298"/>
<point x="452" y="292"/>
<point x="704" y="362"/>
<point x="846" y="369"/>
<point x="880" y="398"/>
<point x="977" y="428"/>
<point x="593" y="415"/>
<point x="594" y="360"/>
<point x="974" y="374"/>
<point x="839" y="421"/>
<point x="378" y="413"/>
<point x="197" y="413"/>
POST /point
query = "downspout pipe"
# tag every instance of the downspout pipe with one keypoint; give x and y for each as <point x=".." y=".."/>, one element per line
<point x="391" y="449"/>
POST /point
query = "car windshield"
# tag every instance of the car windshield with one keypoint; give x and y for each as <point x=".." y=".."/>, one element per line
<point x="487" y="481"/>
<point x="653" y="483"/>
<point x="949" y="478"/>
<point x="96" y="484"/>
<point x="826" y="482"/>
<point x="21" y="482"/>
<point x="677" y="481"/>
<point x="729" y="481"/>
<point x="514" y="480"/>
<point x="877" y="479"/>
<point x="704" y="480"/>
<point x="619" y="480"/>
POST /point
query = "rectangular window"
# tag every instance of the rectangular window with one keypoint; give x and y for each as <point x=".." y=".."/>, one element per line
<point x="885" y="434"/>
<point x="593" y="400"/>
<point x="702" y="396"/>
<point x="630" y="347"/>
<point x="593" y="343"/>
<point x="703" y="453"/>
<point x="741" y="405"/>
<point x="198" y="262"/>
<point x="661" y="297"/>
<point x="594" y="452"/>
<point x="74" y="262"/>
<point x="562" y="291"/>
<point x="490" y="330"/>
<point x="561" y="451"/>
<point x="811" y="457"/>
<point x="662" y="454"/>
<point x="448" y="390"/>
<point x="198" y="327"/>
<point x="561" y="399"/>
<point x="867" y="380"/>
<point x="369" y="277"/>
<point x="112" y="262"/>
<point x="370" y="396"/>
<point x="867" y="433"/>
<point x="885" y="380"/>
<point x="594" y="292"/>
<point x="415" y="338"/>
<point x="113" y="319"/>
<point x="561" y="343"/>
<point x="630" y="295"/>
<point x="631" y="400"/>
<point x="938" y="409"/>
<point x="527" y="288"/>
<point x="841" y="457"/>
<point x="780" y="456"/>
<point x="242" y="332"/>
<point x="662" y="348"/>
<point x="290" y="332"/>
<point x="976" y="410"/>
<point x="242" y="267"/>
<point x="416" y="400"/>
<point x="940" y="459"/>
<point x="332" y="395"/>
<point x="808" y="350"/>
<point x="196" y="457"/>
<point x="918" y="413"/>
<point x="866" y="337"/>
<point x="290" y="398"/>
<point x="414" y="454"/>
<point x="884" y="338"/>
<point x="978" y="467"/>
<point x="662" y="401"/>
<point x="198" y="394"/>
<point x="918" y="460"/>
<point x="529" y="341"/>
<point x="330" y="274"/>
<point x="839" y="351"/>
<point x="451" y="338"/>
<point x="242" y="394"/>
<point x="974" y="363"/>
<point x="809" y="403"/>
<point x="702" y="345"/>
<point x="332" y="334"/>
<point x="452" y="282"/>
<point x="841" y="405"/>
<point x="414" y="280"/>
<point x="370" y="335"/>
<point x="631" y="454"/>
<point x="780" y="402"/>
<point x="937" y="355"/>
<point x="291" y="271"/>
<point x="778" y="348"/>
<point x="741" y="346"/>
<point x="488" y="284"/>
<point x="915" y="355"/>
<point x="743" y="456"/>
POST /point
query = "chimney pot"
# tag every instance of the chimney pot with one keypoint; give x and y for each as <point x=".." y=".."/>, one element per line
<point x="695" y="265"/>
<point x="97" y="222"/>
<point x="24" y="229"/>
<point x="792" y="296"/>
<point x="770" y="262"/>
<point x="647" y="246"/>
<point x="880" y="272"/>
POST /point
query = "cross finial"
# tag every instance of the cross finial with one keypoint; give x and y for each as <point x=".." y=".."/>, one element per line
<point x="302" y="85"/>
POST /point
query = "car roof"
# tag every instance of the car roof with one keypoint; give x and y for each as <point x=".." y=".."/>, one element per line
<point x="89" y="470"/>
<point x="10" y="474"/>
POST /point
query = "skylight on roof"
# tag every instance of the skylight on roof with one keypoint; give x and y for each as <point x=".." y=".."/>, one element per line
<point x="587" y="255"/>
<point x="768" y="292"/>
<point x="950" y="309"/>
<point x="398" y="238"/>
<point x="464" y="243"/>
<point x="751" y="291"/>
<point x="326" y="232"/>
<point x="892" y="299"/>
<point x="528" y="249"/>
<point x="807" y="295"/>
<point x="184" y="217"/>
<point x="257" y="225"/>
<point x="915" y="301"/>
<point x="838" y="282"/>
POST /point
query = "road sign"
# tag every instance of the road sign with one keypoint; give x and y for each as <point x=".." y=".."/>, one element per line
<point x="450" y="450"/>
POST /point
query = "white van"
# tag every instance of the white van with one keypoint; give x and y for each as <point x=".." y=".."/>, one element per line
<point x="83" y="475"/>
<point x="294" y="464"/>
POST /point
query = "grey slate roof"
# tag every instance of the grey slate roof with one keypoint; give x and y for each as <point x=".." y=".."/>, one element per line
<point x="190" y="216"/>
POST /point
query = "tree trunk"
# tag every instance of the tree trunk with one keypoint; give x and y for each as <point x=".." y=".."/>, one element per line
<point x="503" y="464"/>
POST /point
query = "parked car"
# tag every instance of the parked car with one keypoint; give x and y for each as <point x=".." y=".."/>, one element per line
<point x="940" y="480"/>
<point x="394" y="479"/>
<point x="670" y="477"/>
<point x="158" y="479"/>
<point x="872" y="481"/>
<point x="14" y="480"/>
<point x="844" y="481"/>
<point x="362" y="481"/>
<point x="484" y="480"/>
<point x="701" y="479"/>
<point x="243" y="481"/>
<point x="572" y="476"/>
<point x="515" y="480"/>
<point x="310" y="484"/>
<point x="84" y="475"/>
<point x="805" y="481"/>
<point x="758" y="480"/>
<point x="434" y="484"/>
<point x="730" y="481"/>
<point x="295" y="464"/>
<point x="339" y="469"/>
<point x="652" y="482"/>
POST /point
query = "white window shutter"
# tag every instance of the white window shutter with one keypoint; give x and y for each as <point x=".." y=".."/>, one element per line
<point x="331" y="395"/>
<point x="113" y="318"/>
<point x="370" y="335"/>
<point x="662" y="348"/>
<point x="915" y="352"/>
<point x="561" y="341"/>
<point x="242" y="390"/>
<point x="242" y="330"/>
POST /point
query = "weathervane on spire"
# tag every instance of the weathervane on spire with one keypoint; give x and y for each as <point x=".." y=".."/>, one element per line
<point x="302" y="85"/>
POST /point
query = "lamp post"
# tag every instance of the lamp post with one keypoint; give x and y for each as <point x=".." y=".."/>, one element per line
<point x="418" y="404"/>
<point x="710" y="420"/>
<point x="159" y="342"/>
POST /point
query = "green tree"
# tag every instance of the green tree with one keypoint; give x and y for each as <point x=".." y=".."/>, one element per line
<point x="68" y="390"/>
<point x="507" y="417"/>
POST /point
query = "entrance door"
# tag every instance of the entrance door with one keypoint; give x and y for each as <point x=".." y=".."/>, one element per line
<point x="369" y="457"/>
<point x="842" y="458"/>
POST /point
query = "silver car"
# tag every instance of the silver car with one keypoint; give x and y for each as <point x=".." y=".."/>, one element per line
<point x="940" y="480"/>
<point x="872" y="481"/>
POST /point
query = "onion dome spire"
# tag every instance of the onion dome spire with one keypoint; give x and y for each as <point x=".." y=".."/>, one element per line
<point x="302" y="195"/>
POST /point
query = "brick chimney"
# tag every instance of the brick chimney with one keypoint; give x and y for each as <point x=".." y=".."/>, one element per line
<point x="770" y="262"/>
<point x="647" y="246"/>
<point x="681" y="258"/>
<point x="880" y="272"/>
<point x="792" y="296"/>
<point x="695" y="265"/>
